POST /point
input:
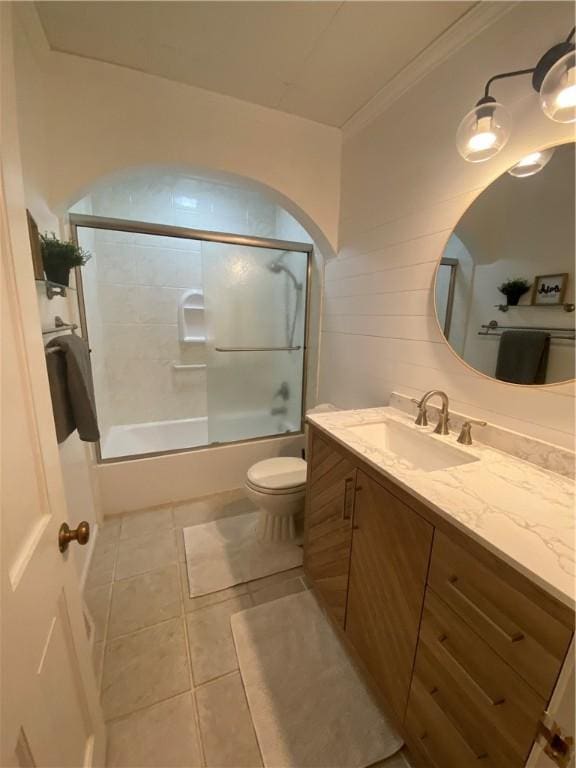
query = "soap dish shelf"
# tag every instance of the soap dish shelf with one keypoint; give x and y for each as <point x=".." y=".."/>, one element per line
<point x="191" y="320"/>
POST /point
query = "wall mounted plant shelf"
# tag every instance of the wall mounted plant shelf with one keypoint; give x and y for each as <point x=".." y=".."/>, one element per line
<point x="54" y="289"/>
<point x="566" y="307"/>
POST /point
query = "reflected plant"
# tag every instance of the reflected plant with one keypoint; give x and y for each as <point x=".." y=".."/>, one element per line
<point x="513" y="289"/>
<point x="60" y="256"/>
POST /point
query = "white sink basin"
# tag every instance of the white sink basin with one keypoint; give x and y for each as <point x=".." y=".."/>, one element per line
<point x="416" y="450"/>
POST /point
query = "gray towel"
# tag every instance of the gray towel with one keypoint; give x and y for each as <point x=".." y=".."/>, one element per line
<point x="71" y="387"/>
<point x="523" y="357"/>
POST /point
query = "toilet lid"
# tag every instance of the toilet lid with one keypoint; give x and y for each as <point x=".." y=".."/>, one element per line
<point x="279" y="473"/>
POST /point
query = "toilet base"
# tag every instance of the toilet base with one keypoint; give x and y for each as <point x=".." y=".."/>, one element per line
<point x="275" y="529"/>
<point x="280" y="515"/>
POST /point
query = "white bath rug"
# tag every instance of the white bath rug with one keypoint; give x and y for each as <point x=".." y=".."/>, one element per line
<point x="227" y="552"/>
<point x="310" y="709"/>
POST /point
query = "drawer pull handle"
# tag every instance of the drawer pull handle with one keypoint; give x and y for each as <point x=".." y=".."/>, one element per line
<point x="348" y="507"/>
<point x="424" y="737"/>
<point x="478" y="752"/>
<point x="513" y="638"/>
<point x="493" y="702"/>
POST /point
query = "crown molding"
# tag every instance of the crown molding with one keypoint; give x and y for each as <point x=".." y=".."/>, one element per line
<point x="478" y="18"/>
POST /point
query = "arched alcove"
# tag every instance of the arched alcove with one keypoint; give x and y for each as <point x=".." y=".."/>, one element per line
<point x="186" y="185"/>
<point x="236" y="372"/>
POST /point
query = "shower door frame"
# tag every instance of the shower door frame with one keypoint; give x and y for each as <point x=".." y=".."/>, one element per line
<point x="79" y="220"/>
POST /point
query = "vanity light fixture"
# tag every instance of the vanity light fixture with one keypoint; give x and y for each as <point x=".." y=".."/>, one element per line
<point x="531" y="164"/>
<point x="485" y="130"/>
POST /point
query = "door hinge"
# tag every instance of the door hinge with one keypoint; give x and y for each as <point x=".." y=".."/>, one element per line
<point x="555" y="744"/>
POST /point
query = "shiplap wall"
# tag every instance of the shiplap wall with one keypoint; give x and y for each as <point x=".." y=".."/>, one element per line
<point x="404" y="187"/>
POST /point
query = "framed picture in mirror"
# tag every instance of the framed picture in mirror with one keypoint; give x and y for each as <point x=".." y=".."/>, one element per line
<point x="549" y="289"/>
<point x="35" y="249"/>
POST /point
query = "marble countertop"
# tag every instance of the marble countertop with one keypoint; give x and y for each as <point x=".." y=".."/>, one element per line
<point x="522" y="513"/>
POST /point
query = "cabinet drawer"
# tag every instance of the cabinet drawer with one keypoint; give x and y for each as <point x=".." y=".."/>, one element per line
<point x="435" y="738"/>
<point x="529" y="630"/>
<point x="490" y="711"/>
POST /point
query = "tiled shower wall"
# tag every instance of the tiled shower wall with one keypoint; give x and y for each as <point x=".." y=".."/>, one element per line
<point x="187" y="201"/>
<point x="134" y="284"/>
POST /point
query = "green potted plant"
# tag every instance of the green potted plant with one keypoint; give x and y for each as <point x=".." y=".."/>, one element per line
<point x="513" y="289"/>
<point x="59" y="256"/>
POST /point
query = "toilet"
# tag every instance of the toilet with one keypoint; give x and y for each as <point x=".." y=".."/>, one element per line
<point x="278" y="487"/>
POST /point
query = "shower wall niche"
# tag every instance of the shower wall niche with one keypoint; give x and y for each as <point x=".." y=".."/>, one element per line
<point x="193" y="342"/>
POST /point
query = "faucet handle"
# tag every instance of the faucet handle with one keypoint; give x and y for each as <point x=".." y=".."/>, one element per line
<point x="422" y="418"/>
<point x="465" y="436"/>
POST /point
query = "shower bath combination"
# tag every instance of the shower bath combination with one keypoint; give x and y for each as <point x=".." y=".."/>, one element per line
<point x="235" y="373"/>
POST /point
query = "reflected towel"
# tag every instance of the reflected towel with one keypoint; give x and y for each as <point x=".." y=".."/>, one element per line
<point x="523" y="357"/>
<point x="72" y="390"/>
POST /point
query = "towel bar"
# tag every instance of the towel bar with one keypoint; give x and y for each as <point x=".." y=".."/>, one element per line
<point x="186" y="366"/>
<point x="257" y="349"/>
<point x="60" y="325"/>
<point x="494" y="328"/>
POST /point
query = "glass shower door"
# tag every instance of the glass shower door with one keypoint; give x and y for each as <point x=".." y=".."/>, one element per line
<point x="255" y="303"/>
<point x="143" y="309"/>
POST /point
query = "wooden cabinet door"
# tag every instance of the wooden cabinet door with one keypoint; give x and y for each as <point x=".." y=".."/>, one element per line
<point x="390" y="553"/>
<point x="328" y="524"/>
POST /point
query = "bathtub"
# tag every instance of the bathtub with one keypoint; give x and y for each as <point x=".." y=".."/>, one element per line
<point x="154" y="437"/>
<point x="159" y="436"/>
<point x="175" y="474"/>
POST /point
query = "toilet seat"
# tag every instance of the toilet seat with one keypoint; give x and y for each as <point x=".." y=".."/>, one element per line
<point x="301" y="489"/>
<point x="282" y="475"/>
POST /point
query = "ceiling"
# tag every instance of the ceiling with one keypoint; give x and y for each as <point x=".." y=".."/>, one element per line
<point x="320" y="60"/>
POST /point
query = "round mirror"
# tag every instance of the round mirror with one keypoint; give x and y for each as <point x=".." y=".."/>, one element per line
<point x="504" y="290"/>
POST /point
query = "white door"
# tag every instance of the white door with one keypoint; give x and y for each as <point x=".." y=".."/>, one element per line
<point x="50" y="713"/>
<point x="560" y="718"/>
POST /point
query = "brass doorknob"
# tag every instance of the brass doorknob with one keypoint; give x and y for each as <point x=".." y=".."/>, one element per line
<point x="66" y="535"/>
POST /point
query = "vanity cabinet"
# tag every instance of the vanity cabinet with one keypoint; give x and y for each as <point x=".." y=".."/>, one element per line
<point x="463" y="650"/>
<point x="390" y="554"/>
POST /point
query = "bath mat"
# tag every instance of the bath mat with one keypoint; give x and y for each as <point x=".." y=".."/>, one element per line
<point x="310" y="708"/>
<point x="226" y="552"/>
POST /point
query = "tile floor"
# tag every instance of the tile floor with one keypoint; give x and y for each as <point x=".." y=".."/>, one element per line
<point x="171" y="691"/>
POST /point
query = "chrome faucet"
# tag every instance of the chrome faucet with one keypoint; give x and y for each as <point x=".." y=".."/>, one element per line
<point x="421" y="420"/>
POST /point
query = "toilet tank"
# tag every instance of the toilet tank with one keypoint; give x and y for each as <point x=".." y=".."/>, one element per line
<point x="320" y="408"/>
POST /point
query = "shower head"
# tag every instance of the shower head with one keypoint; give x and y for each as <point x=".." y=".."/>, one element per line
<point x="277" y="267"/>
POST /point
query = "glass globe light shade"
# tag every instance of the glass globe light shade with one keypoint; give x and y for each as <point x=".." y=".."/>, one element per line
<point x="483" y="132"/>
<point x="558" y="90"/>
<point x="531" y="164"/>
